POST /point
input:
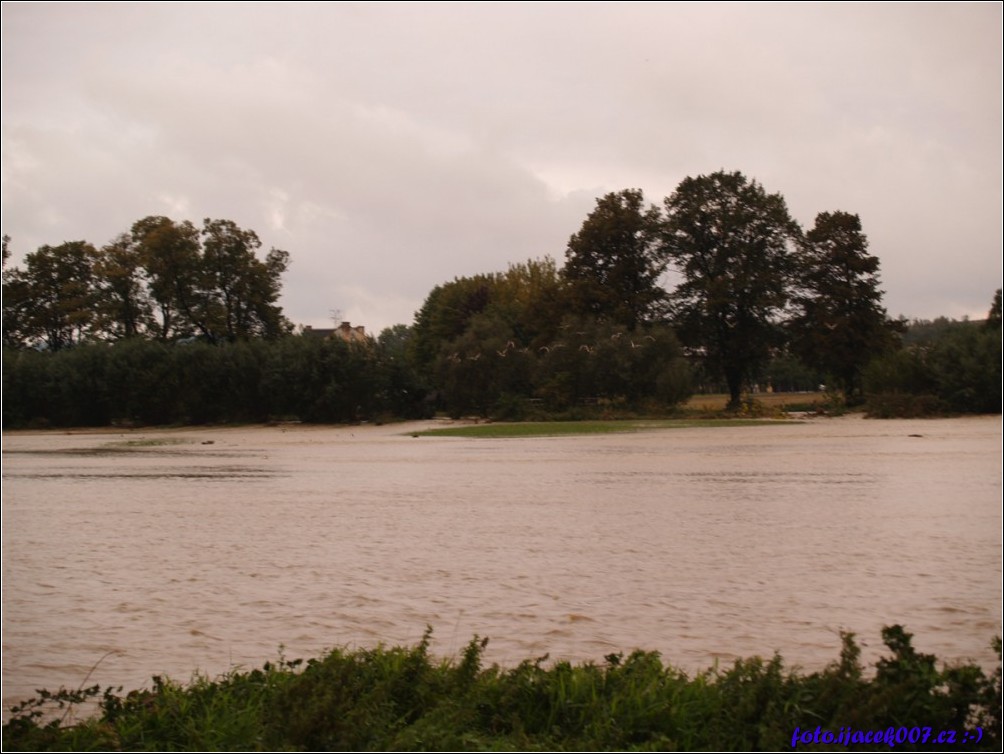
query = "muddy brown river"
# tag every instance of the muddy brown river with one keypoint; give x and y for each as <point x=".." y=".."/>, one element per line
<point x="131" y="554"/>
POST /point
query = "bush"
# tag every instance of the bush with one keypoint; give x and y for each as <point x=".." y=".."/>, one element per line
<point x="958" y="373"/>
<point x="402" y="699"/>
<point x="134" y="382"/>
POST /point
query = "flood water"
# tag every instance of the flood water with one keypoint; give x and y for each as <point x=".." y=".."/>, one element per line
<point x="163" y="552"/>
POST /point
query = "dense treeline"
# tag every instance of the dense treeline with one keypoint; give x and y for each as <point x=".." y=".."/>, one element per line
<point x="141" y="382"/>
<point x="402" y="699"/>
<point x="511" y="343"/>
<point x="944" y="367"/>
<point x="162" y="280"/>
<point x="149" y="382"/>
<point x="169" y="323"/>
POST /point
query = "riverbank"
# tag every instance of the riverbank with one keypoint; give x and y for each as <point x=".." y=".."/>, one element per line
<point x="703" y="407"/>
<point x="404" y="699"/>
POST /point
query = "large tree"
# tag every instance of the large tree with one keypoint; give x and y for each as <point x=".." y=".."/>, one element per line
<point x="171" y="258"/>
<point x="993" y="321"/>
<point x="162" y="279"/>
<point x="52" y="300"/>
<point x="215" y="287"/>
<point x="733" y="244"/>
<point x="839" y="323"/>
<point x="240" y="290"/>
<point x="123" y="305"/>
<point x="446" y="314"/>
<point x="613" y="264"/>
<point x="16" y="302"/>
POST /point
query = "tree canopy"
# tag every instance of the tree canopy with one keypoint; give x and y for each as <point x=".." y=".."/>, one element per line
<point x="839" y="323"/>
<point x="496" y="343"/>
<point x="733" y="244"/>
<point x="994" y="315"/>
<point x="90" y="333"/>
<point x="613" y="264"/>
<point x="52" y="300"/>
<point x="163" y="279"/>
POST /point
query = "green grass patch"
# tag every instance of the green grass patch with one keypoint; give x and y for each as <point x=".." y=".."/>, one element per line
<point x="558" y="428"/>
<point x="150" y="442"/>
<point x="403" y="699"/>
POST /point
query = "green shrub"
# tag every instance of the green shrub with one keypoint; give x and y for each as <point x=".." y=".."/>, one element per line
<point x="402" y="699"/>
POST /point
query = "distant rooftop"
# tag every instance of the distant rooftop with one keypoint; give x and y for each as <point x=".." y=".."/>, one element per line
<point x="344" y="331"/>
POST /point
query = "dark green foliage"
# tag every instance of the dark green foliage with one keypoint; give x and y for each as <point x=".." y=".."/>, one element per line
<point x="325" y="380"/>
<point x="446" y="314"/>
<point x="589" y="363"/>
<point x="994" y="315"/>
<point x="25" y="393"/>
<point x="387" y="699"/>
<point x="138" y="382"/>
<point x="239" y="290"/>
<point x="122" y="302"/>
<point x="603" y="363"/>
<point x="525" y="304"/>
<point x="51" y="301"/>
<point x="336" y="702"/>
<point x="785" y="373"/>
<point x="945" y="367"/>
<point x="733" y="243"/>
<point x="613" y="264"/>
<point x="967" y="370"/>
<point x="129" y="329"/>
<point x="900" y="384"/>
<point x="497" y="345"/>
<point x="398" y="390"/>
<point x="163" y="280"/>
<point x="839" y="324"/>
<point x="143" y="381"/>
<point x="924" y="332"/>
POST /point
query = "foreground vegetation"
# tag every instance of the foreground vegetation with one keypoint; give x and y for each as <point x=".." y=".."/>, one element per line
<point x="404" y="699"/>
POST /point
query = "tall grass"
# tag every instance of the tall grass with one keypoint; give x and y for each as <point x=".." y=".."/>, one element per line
<point x="404" y="699"/>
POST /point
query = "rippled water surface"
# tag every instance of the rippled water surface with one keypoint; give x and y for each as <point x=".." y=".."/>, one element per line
<point x="163" y="552"/>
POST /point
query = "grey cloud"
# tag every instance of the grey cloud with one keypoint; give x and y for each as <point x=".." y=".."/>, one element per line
<point x="392" y="146"/>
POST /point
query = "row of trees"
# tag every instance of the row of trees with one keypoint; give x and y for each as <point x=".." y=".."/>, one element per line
<point x="148" y="382"/>
<point x="141" y="381"/>
<point x="944" y="366"/>
<point x="753" y="283"/>
<point x="163" y="280"/>
<point x="753" y="286"/>
<point x="758" y="299"/>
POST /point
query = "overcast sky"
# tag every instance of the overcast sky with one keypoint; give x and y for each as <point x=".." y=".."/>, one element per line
<point x="392" y="147"/>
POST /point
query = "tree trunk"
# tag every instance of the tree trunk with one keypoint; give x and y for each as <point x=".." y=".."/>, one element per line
<point x="735" y="382"/>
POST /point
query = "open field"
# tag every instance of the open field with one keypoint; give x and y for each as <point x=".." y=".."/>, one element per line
<point x="780" y="401"/>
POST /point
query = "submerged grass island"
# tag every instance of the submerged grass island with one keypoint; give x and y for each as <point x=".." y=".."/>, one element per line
<point x="584" y="427"/>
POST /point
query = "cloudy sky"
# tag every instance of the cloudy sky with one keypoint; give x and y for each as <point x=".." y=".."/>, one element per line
<point x="392" y="147"/>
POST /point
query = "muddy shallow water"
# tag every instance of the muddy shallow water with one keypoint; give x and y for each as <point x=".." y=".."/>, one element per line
<point x="163" y="552"/>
